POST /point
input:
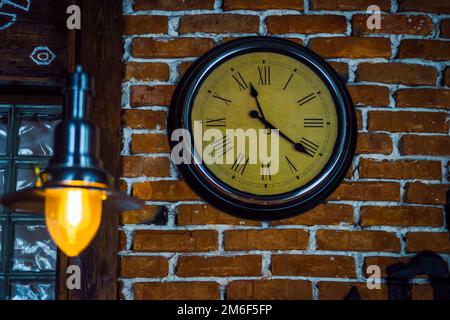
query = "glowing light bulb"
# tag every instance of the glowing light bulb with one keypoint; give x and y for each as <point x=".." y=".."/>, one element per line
<point x="73" y="216"/>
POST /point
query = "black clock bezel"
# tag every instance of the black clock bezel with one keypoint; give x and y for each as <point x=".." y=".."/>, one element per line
<point x="265" y="208"/>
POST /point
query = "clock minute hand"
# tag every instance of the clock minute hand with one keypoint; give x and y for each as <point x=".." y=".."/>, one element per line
<point x="298" y="146"/>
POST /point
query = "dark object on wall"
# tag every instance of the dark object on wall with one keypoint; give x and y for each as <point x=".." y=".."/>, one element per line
<point x="425" y="263"/>
<point x="353" y="294"/>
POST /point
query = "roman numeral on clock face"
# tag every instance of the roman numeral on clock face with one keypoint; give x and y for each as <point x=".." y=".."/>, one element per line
<point x="217" y="96"/>
<point x="265" y="171"/>
<point x="222" y="146"/>
<point x="239" y="164"/>
<point x="264" y="75"/>
<point x="310" y="146"/>
<point x="313" y="123"/>
<point x="307" y="98"/>
<point x="221" y="122"/>
<point x="291" y="165"/>
<point x="240" y="80"/>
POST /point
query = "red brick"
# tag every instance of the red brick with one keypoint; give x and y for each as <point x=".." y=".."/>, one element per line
<point x="267" y="239"/>
<point x="352" y="47"/>
<point x="423" y="98"/>
<point x="435" y="6"/>
<point x="341" y="68"/>
<point x="425" y="145"/>
<point x="151" y="95"/>
<point x="184" y="66"/>
<point x="447" y="76"/>
<point x="143" y="267"/>
<point x="445" y="28"/>
<point x="165" y="190"/>
<point x="401" y="216"/>
<point x="149" y="143"/>
<point x="174" y="48"/>
<point x="306" y="24"/>
<point x="408" y="121"/>
<point x="349" y="5"/>
<point x="359" y="120"/>
<point x="277" y="289"/>
<point x="262" y="5"/>
<point x="367" y="191"/>
<point x="147" y="71"/>
<point x="145" y="166"/>
<point x="357" y="241"/>
<point x="143" y="24"/>
<point x="203" y="214"/>
<point x="424" y="49"/>
<point x="403" y="169"/>
<point x="339" y="290"/>
<point x="394" y="24"/>
<point x="219" y="23"/>
<point x="422" y="292"/>
<point x="122" y="241"/>
<point x="145" y="215"/>
<point x="432" y="241"/>
<point x="417" y="192"/>
<point x="219" y="266"/>
<point x="176" y="290"/>
<point x="144" y="119"/>
<point x="324" y="214"/>
<point x="373" y="143"/>
<point x="402" y="73"/>
<point x="173" y="5"/>
<point x="369" y="95"/>
<point x="313" y="266"/>
<point x="174" y="240"/>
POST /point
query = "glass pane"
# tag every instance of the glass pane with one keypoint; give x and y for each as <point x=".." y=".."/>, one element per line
<point x="25" y="178"/>
<point x="1" y="248"/>
<point x="2" y="184"/>
<point x="33" y="248"/>
<point x="32" y="290"/>
<point x="36" y="135"/>
<point x="2" y="288"/>
<point x="3" y="132"/>
<point x="2" y="180"/>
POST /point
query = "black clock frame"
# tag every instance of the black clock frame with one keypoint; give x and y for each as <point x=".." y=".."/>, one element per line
<point x="265" y="208"/>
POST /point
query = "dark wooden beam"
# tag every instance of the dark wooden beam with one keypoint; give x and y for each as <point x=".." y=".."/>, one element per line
<point x="98" y="47"/>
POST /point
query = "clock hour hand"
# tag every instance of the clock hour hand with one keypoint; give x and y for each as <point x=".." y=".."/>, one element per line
<point x="298" y="146"/>
<point x="255" y="94"/>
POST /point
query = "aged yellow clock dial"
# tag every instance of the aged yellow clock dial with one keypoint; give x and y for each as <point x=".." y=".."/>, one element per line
<point x="268" y="91"/>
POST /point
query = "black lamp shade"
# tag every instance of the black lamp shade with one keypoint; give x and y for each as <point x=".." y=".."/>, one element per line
<point x="76" y="160"/>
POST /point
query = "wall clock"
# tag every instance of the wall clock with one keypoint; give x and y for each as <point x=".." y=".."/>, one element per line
<point x="279" y="87"/>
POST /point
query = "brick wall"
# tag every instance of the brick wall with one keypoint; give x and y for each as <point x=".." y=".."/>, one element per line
<point x="388" y="208"/>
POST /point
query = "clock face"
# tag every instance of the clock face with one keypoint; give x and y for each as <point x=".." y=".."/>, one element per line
<point x="243" y="92"/>
<point x="261" y="92"/>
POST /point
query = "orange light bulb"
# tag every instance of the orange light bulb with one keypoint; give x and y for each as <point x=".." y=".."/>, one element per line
<point x="73" y="216"/>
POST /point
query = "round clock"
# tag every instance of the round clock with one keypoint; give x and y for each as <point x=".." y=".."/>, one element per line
<point x="276" y="92"/>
